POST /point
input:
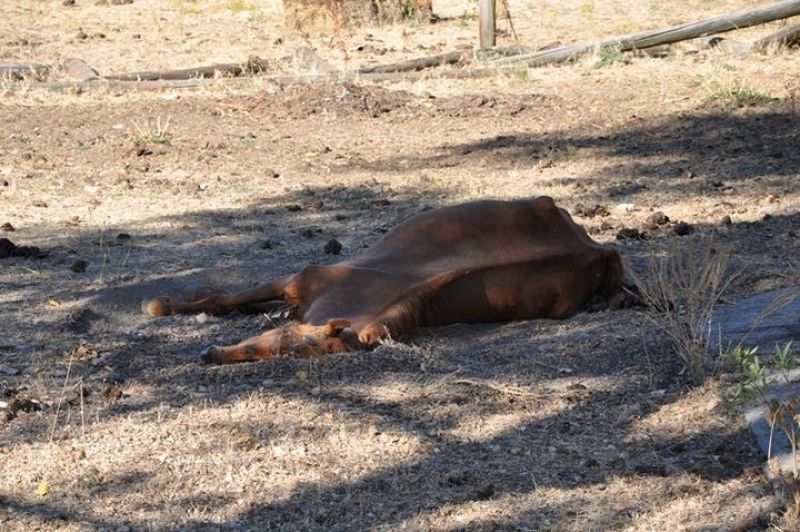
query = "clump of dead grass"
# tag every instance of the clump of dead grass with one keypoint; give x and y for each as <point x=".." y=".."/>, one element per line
<point x="681" y="288"/>
<point x="152" y="134"/>
<point x="731" y="91"/>
<point x="739" y="96"/>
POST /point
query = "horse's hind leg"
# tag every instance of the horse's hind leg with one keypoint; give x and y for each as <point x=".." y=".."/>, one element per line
<point x="217" y="301"/>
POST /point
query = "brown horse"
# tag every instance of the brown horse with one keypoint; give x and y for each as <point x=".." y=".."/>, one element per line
<point x="484" y="261"/>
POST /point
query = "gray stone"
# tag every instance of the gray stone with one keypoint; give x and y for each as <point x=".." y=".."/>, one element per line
<point x="749" y="323"/>
<point x="79" y="70"/>
<point x="736" y="322"/>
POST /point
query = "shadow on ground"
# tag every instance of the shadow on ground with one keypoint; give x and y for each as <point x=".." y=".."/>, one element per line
<point x="605" y="369"/>
<point x="703" y="152"/>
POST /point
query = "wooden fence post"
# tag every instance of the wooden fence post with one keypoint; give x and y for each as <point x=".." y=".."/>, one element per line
<point x="487" y="24"/>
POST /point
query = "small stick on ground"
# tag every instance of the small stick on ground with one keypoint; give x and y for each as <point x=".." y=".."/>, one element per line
<point x="61" y="397"/>
<point x="500" y="388"/>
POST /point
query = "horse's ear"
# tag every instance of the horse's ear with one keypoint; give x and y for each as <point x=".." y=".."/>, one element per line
<point x="335" y="327"/>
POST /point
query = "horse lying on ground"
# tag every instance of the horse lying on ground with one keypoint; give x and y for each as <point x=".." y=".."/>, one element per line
<point x="484" y="261"/>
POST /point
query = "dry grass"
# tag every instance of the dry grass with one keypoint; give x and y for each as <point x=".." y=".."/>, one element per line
<point x="572" y="425"/>
<point x="152" y="134"/>
<point x="681" y="287"/>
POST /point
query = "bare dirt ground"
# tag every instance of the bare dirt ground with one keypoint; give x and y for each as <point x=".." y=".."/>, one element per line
<point x="583" y="424"/>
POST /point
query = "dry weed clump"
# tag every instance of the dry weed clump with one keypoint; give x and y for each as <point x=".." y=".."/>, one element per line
<point x="681" y="288"/>
<point x="152" y="134"/>
<point x="305" y="14"/>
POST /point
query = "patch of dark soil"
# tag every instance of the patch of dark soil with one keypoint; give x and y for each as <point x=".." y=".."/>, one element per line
<point x="9" y="249"/>
<point x="509" y="106"/>
<point x="630" y="233"/>
<point x="17" y="405"/>
<point x="683" y="229"/>
<point x="591" y="211"/>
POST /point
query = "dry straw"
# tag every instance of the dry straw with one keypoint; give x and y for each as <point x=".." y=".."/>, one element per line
<point x="681" y="288"/>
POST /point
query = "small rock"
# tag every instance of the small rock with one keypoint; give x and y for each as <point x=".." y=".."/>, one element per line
<point x="726" y="220"/>
<point x="606" y="226"/>
<point x="656" y="219"/>
<point x="591" y="212"/>
<point x="79" y="266"/>
<point x="625" y="207"/>
<point x="729" y="378"/>
<point x="112" y="393"/>
<point x="683" y="229"/>
<point x="68" y="3"/>
<point x="273" y="174"/>
<point x="306" y="233"/>
<point x="22" y="405"/>
<point x="81" y="35"/>
<point x="266" y="244"/>
<point x="769" y="199"/>
<point x="332" y="247"/>
<point x="294" y="208"/>
<point x="687" y="174"/>
<point x="7" y="227"/>
<point x="123" y="236"/>
<point x="629" y="233"/>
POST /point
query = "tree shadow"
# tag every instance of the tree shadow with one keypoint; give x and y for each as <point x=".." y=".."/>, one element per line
<point x="460" y="472"/>
<point x="587" y="364"/>
<point x="704" y="152"/>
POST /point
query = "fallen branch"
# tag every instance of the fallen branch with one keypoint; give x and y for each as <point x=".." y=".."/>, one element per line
<point x="79" y="87"/>
<point x="723" y="23"/>
<point x="252" y="66"/>
<point x="787" y="37"/>
<point x="22" y="70"/>
<point x="85" y="78"/>
<point x="451" y="58"/>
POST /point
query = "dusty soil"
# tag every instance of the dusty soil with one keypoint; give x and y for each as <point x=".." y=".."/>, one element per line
<point x="583" y="424"/>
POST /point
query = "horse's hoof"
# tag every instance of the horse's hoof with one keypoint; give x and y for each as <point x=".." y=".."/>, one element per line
<point x="157" y="307"/>
<point x="212" y="355"/>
